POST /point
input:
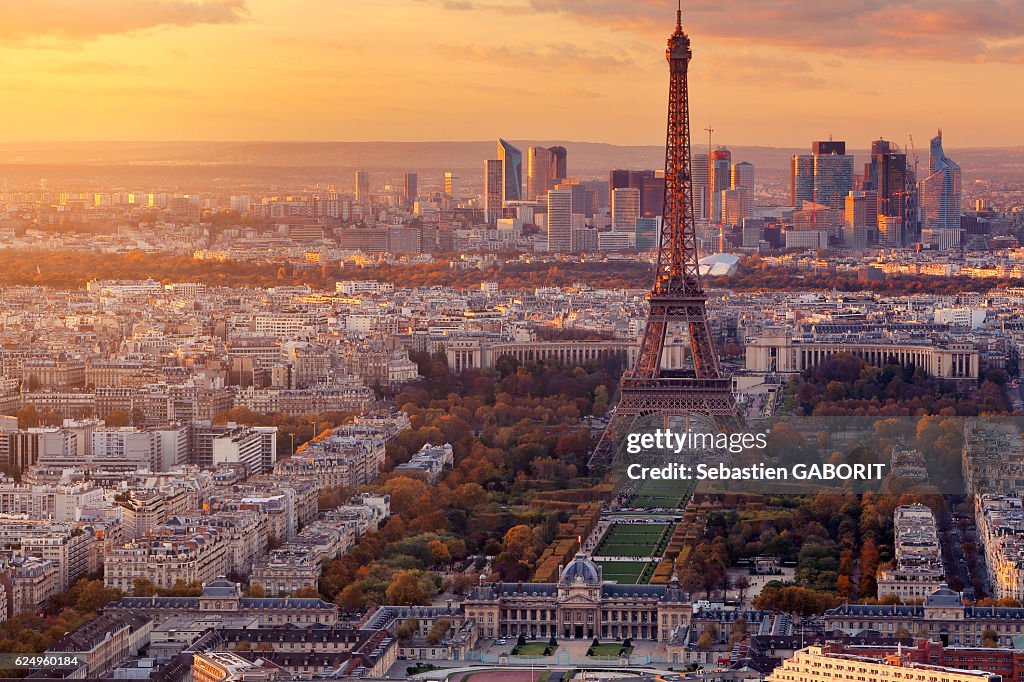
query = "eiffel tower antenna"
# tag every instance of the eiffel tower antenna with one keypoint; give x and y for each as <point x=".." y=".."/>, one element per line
<point x="677" y="297"/>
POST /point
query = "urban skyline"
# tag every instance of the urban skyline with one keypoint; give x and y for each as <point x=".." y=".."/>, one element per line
<point x="694" y="415"/>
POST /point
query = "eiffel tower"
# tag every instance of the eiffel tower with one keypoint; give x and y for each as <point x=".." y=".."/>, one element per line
<point x="677" y="298"/>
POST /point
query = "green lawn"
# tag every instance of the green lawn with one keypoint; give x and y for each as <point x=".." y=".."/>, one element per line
<point x="661" y="495"/>
<point x="535" y="649"/>
<point x="610" y="650"/>
<point x="627" y="572"/>
<point x="634" y="539"/>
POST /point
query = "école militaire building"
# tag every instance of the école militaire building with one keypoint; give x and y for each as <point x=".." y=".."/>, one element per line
<point x="579" y="606"/>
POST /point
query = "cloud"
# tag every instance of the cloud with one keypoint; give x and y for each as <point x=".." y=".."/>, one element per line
<point x="746" y="67"/>
<point x="93" y="68"/>
<point x="941" y="30"/>
<point x="561" y="57"/>
<point x="75" y="20"/>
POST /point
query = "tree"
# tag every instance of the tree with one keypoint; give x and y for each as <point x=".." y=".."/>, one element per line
<point x="742" y="584"/>
<point x="439" y="553"/>
<point x="600" y="400"/>
<point x="460" y="583"/>
<point x="691" y="580"/>
<point x="118" y="418"/>
<point x="739" y="630"/>
<point x="184" y="589"/>
<point x="989" y="637"/>
<point x="408" y="628"/>
<point x="28" y="417"/>
<point x="800" y="601"/>
<point x="143" y="587"/>
<point x="405" y="493"/>
<point x="438" y="631"/>
<point x="352" y="597"/>
<point x="471" y="496"/>
<point x="408" y="590"/>
<point x="844" y="586"/>
<point x="138" y="417"/>
<point x="92" y="595"/>
<point x="520" y="542"/>
<point x="457" y="548"/>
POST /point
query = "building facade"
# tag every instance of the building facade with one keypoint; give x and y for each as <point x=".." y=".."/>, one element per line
<point x="579" y="606"/>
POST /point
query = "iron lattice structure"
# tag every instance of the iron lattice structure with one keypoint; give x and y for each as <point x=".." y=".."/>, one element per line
<point x="677" y="297"/>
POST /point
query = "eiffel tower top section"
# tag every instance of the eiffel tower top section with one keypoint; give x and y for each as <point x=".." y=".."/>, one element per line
<point x="678" y="42"/>
<point x="678" y="273"/>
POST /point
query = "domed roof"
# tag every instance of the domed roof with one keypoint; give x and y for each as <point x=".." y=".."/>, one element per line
<point x="581" y="570"/>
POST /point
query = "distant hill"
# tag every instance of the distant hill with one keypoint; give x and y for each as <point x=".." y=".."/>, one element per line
<point x="255" y="161"/>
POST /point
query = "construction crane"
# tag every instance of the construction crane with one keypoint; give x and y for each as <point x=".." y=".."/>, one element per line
<point x="910" y="198"/>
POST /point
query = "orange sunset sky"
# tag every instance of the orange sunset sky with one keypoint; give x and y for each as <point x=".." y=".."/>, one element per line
<point x="771" y="72"/>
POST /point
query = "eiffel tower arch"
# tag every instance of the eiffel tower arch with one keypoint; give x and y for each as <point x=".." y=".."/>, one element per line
<point x="702" y="394"/>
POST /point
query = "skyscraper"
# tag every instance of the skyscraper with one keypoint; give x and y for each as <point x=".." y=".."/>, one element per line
<point x="652" y="195"/>
<point x="647" y="233"/>
<point x="492" y="190"/>
<point x="886" y="174"/>
<point x="511" y="171"/>
<point x="411" y="189"/>
<point x="584" y="196"/>
<point x="734" y="206"/>
<point x="559" y="164"/>
<point x="801" y="183"/>
<point x="855" y="222"/>
<point x="362" y="186"/>
<point x="701" y="181"/>
<point x="833" y="173"/>
<point x="560" y="220"/>
<point x="721" y="178"/>
<point x="940" y="191"/>
<point x="650" y="184"/>
<point x="539" y="163"/>
<point x="451" y="185"/>
<point x="625" y="209"/>
<point x="618" y="177"/>
<point x="890" y="231"/>
<point x="743" y="180"/>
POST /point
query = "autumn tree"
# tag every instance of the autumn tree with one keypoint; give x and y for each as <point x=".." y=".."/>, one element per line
<point x="408" y="629"/>
<point x="28" y="417"/>
<point x="118" y="418"/>
<point x="352" y="598"/>
<point x="143" y="587"/>
<point x="439" y="553"/>
<point x="989" y="637"/>
<point x="438" y="630"/>
<point x="408" y="589"/>
<point x="91" y="595"/>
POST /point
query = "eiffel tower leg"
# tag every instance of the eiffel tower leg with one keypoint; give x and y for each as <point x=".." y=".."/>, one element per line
<point x="618" y="427"/>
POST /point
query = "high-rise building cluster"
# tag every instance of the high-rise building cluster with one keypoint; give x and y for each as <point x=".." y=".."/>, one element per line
<point x="884" y="207"/>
